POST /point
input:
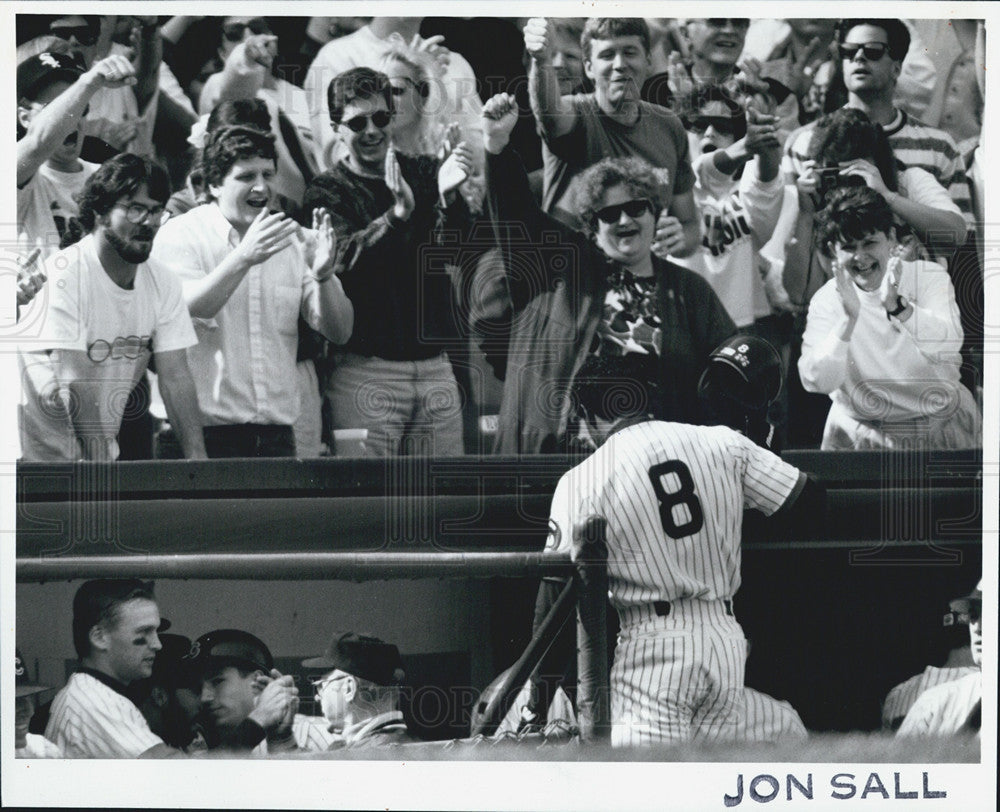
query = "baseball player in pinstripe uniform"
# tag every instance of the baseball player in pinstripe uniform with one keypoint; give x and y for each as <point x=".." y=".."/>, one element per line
<point x="672" y="498"/>
<point x="766" y="720"/>
<point x="959" y="663"/>
<point x="115" y="623"/>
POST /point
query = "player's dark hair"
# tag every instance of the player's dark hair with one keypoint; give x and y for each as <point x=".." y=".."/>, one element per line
<point x="100" y="601"/>
<point x="248" y="112"/>
<point x="847" y="134"/>
<point x="897" y="35"/>
<point x="357" y="83"/>
<point x="637" y="176"/>
<point x="233" y="143"/>
<point x="850" y="215"/>
<point x="613" y="387"/>
<point x="118" y="177"/>
<point x="610" y="27"/>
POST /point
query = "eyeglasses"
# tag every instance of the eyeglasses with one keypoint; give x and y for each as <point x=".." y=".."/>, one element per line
<point x="633" y="208"/>
<point x="136" y="213"/>
<point x="719" y="22"/>
<point x="380" y="119"/>
<point x="873" y="51"/>
<point x="421" y="87"/>
<point x="84" y="34"/>
<point x="234" y="31"/>
<point x="319" y="683"/>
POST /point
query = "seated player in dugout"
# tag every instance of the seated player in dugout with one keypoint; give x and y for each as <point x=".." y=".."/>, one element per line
<point x="359" y="691"/>
<point x="663" y="478"/>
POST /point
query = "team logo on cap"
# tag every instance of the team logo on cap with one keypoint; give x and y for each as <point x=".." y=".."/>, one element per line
<point x="47" y="59"/>
<point x="18" y="668"/>
<point x="193" y="652"/>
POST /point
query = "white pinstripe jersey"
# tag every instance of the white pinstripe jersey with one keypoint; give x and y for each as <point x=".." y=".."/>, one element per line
<point x="943" y="709"/>
<point x="766" y="720"/>
<point x="673" y="496"/>
<point x="901" y="698"/>
<point x="92" y="720"/>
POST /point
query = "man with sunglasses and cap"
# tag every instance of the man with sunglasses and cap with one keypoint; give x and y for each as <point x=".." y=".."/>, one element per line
<point x="121" y="116"/>
<point x="359" y="690"/>
<point x="109" y="311"/>
<point x="246" y="704"/>
<point x="954" y="708"/>
<point x="115" y="625"/>
<point x="26" y="744"/>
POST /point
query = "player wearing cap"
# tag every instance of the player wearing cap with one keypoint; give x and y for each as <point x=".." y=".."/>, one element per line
<point x="171" y="698"/>
<point x="359" y="690"/>
<point x="246" y="704"/>
<point x="28" y="745"/>
<point x="52" y="99"/>
<point x="957" y="663"/>
<point x="672" y="497"/>
<point x="115" y="624"/>
<point x="954" y="708"/>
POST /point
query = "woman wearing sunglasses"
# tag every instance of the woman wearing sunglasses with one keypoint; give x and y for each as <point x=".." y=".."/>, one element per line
<point x="569" y="298"/>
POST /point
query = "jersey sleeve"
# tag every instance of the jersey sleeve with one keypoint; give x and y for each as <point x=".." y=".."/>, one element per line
<point x="101" y="728"/>
<point x="768" y="480"/>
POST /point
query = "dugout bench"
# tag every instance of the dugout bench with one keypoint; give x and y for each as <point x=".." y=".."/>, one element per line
<point x="837" y="615"/>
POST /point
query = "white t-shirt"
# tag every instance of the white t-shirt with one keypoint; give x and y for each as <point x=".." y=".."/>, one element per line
<point x="113" y="331"/>
<point x="38" y="747"/>
<point x="90" y="719"/>
<point x="45" y="204"/>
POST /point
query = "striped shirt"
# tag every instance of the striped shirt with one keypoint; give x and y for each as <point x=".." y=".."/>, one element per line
<point x="901" y="698"/>
<point x="767" y="720"/>
<point x="673" y="497"/>
<point x="914" y="144"/>
<point x="944" y="709"/>
<point x="92" y="719"/>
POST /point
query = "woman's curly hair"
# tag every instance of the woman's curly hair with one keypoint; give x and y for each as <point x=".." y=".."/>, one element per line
<point x="636" y="174"/>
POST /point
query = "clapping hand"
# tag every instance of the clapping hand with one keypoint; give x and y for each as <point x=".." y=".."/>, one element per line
<point x="324" y="245"/>
<point x="401" y="191"/>
<point x="269" y="233"/>
<point x="29" y="276"/>
<point x="847" y="291"/>
<point x="669" y="237"/>
<point x="455" y="169"/>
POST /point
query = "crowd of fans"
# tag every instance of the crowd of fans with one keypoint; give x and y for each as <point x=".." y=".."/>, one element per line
<point x="307" y="236"/>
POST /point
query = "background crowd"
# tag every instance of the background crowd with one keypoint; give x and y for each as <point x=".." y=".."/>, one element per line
<point x="283" y="237"/>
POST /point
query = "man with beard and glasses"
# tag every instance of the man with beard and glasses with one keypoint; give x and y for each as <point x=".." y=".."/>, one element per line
<point x="108" y="311"/>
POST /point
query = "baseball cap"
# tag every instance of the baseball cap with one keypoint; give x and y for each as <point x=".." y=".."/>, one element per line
<point x="41" y="69"/>
<point x="224" y="647"/>
<point x="964" y="605"/>
<point x="365" y="657"/>
<point x="23" y="686"/>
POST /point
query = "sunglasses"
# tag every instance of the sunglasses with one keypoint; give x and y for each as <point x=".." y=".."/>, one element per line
<point x="380" y="119"/>
<point x="136" y="213"/>
<point x="234" y="31"/>
<point x="421" y="87"/>
<point x="719" y="22"/>
<point x="873" y="51"/>
<point x="83" y="34"/>
<point x="633" y="208"/>
<point x="720" y="124"/>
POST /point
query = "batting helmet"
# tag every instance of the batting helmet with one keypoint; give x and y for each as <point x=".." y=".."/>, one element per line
<point x="742" y="379"/>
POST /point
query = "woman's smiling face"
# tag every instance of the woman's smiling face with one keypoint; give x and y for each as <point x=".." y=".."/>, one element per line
<point x="866" y="260"/>
<point x="629" y="237"/>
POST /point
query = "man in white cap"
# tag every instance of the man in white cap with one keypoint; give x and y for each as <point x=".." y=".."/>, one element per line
<point x="954" y="708"/>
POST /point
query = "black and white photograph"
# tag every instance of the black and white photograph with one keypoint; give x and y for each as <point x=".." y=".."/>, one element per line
<point x="480" y="411"/>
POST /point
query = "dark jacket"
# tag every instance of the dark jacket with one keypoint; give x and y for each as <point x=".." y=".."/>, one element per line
<point x="537" y="305"/>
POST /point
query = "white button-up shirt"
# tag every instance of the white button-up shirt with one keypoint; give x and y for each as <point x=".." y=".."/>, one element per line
<point x="244" y="363"/>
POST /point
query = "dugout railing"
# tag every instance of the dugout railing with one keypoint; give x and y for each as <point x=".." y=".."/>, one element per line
<point x="837" y="614"/>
